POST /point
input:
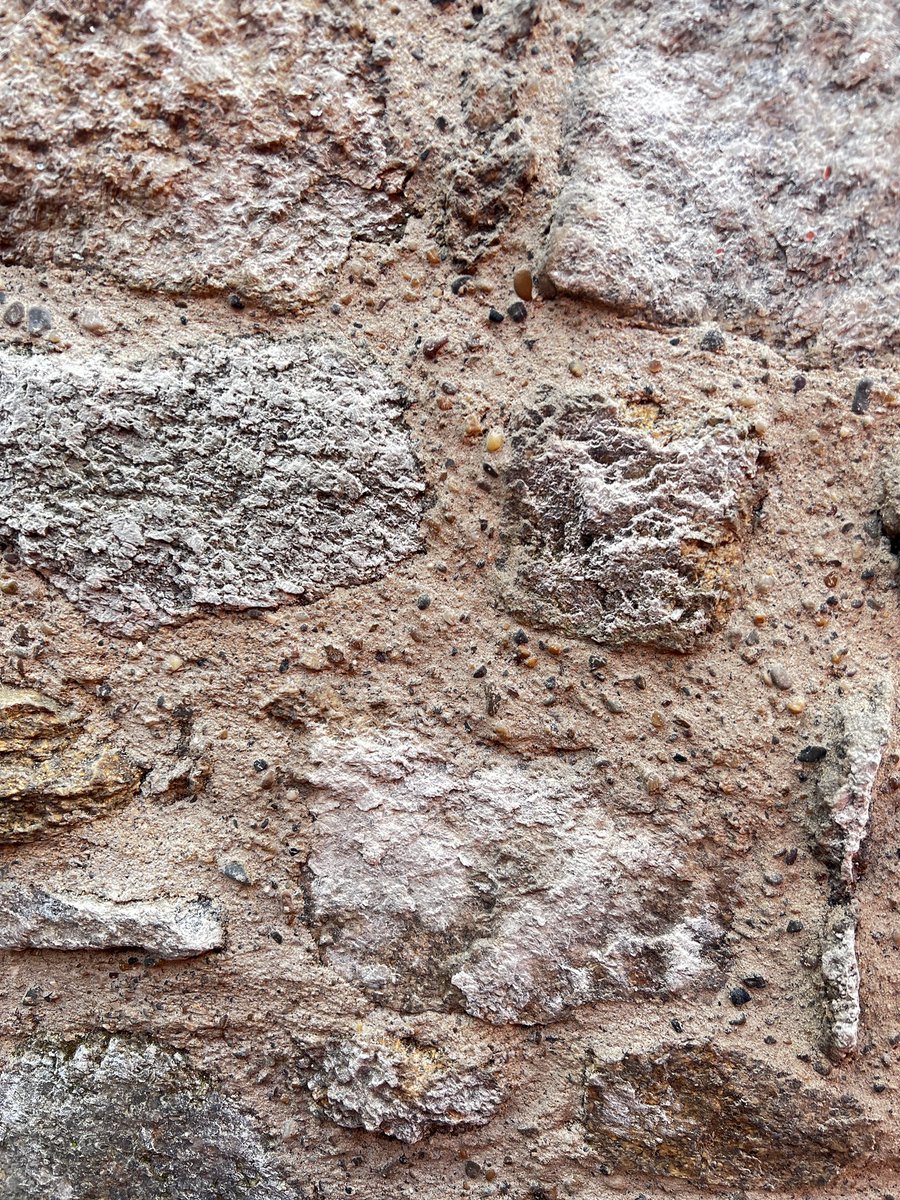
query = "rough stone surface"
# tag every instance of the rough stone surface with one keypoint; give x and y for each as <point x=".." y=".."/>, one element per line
<point x="719" y="1118"/>
<point x="207" y="154"/>
<point x="510" y="668"/>
<point x="233" y="476"/>
<point x="513" y="893"/>
<point x="399" y="1088"/>
<point x="34" y="919"/>
<point x="861" y="727"/>
<point x="840" y="977"/>
<point x="52" y="774"/>
<point x="618" y="536"/>
<point x="731" y="158"/>
<point x="114" y="1117"/>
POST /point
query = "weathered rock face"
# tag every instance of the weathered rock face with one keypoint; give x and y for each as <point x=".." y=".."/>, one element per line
<point x="691" y="189"/>
<point x="493" y="161"/>
<point x="51" y="773"/>
<point x="234" y="476"/>
<point x="399" y="1088"/>
<point x="617" y="536"/>
<point x="840" y="979"/>
<point x="860" y="729"/>
<point x="720" y="1119"/>
<point x="208" y="149"/>
<point x="514" y="675"/>
<point x="34" y="919"/>
<point x="513" y="893"/>
<point x="127" y="1119"/>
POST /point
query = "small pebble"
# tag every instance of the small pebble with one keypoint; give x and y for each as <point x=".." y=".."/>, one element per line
<point x="517" y="311"/>
<point x="612" y="704"/>
<point x="799" y="383"/>
<point x="791" y="856"/>
<point x="173" y="663"/>
<point x="234" y="870"/>
<point x="739" y="996"/>
<point x="423" y="602"/>
<point x="479" y="673"/>
<point x="795" y="926"/>
<point x="862" y="397"/>
<point x="713" y="339"/>
<point x="811" y="754"/>
<point x="523" y="284"/>
<point x="38" y="321"/>
<point x="92" y="322"/>
<point x="576" y="368"/>
<point x="754" y="981"/>
<point x="432" y="347"/>
<point x="461" y="285"/>
<point x="14" y="315"/>
<point x="780" y="677"/>
<point x="494" y="441"/>
<point x="773" y="878"/>
<point x="495" y="316"/>
<point x="235" y="301"/>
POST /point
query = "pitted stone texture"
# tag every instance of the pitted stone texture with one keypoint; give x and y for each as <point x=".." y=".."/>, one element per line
<point x="618" y="536"/>
<point x="840" y="979"/>
<point x="860" y="729"/>
<point x="720" y="1119"/>
<point x="186" y="148"/>
<point x="705" y="143"/>
<point x="52" y="773"/>
<point x="493" y="159"/>
<point x="399" y="1088"/>
<point x="513" y="893"/>
<point x="238" y="476"/>
<point x="103" y="1118"/>
<point x="32" y="918"/>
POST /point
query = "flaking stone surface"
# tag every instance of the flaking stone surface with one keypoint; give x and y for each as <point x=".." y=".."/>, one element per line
<point x="720" y="1117"/>
<point x="531" y="734"/>
<point x="399" y="1088"/>
<point x="619" y="535"/>
<point x="209" y="149"/>
<point x="107" y="1117"/>
<point x="513" y="892"/>
<point x="35" y="919"/>
<point x="236" y="476"/>
<point x="736" y="159"/>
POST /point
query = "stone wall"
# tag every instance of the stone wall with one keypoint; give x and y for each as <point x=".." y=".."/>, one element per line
<point x="449" y="527"/>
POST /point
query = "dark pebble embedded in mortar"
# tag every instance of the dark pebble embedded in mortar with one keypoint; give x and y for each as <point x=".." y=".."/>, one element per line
<point x="433" y="346"/>
<point x="235" y="301"/>
<point x="517" y="311"/>
<point x="795" y="926"/>
<point x="754" y="981"/>
<point x="234" y="870"/>
<point x="739" y="996"/>
<point x="862" y="397"/>
<point x="461" y="284"/>
<point x="423" y="602"/>
<point x="811" y="754"/>
<point x="14" y="315"/>
<point x="495" y="316"/>
<point x="713" y="339"/>
<point x="38" y="321"/>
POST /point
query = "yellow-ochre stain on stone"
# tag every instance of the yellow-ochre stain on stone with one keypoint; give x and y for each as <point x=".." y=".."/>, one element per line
<point x="52" y="773"/>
